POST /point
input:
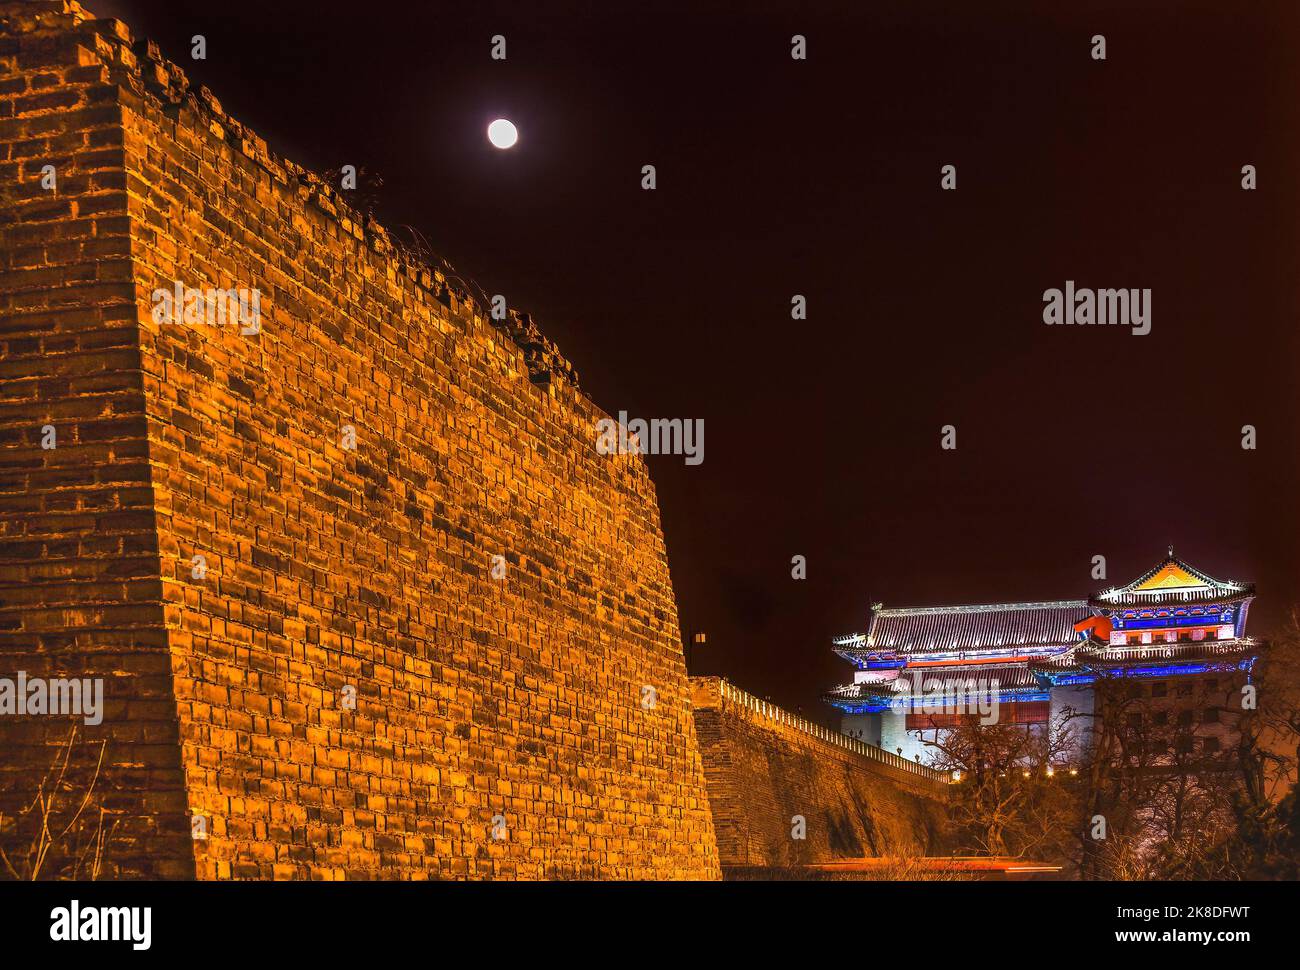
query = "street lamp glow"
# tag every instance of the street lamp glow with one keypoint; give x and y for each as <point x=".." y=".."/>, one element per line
<point x="502" y="133"/>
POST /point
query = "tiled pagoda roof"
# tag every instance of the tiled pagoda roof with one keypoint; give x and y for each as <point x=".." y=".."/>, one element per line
<point x="917" y="680"/>
<point x="987" y="627"/>
<point x="1173" y="581"/>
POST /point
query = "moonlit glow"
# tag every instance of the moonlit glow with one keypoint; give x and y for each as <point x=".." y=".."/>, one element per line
<point x="502" y="133"/>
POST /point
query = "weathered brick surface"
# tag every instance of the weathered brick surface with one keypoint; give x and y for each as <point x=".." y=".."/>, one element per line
<point x="326" y="568"/>
<point x="80" y="590"/>
<point x="763" y="768"/>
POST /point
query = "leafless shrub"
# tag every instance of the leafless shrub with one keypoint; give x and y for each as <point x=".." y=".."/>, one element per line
<point x="60" y="823"/>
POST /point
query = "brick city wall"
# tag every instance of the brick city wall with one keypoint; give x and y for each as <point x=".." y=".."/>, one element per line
<point x="763" y="766"/>
<point x="279" y="546"/>
<point x="80" y="588"/>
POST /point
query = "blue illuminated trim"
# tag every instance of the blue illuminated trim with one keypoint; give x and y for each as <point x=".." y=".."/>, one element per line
<point x="1069" y="680"/>
<point x="913" y="701"/>
<point x="1089" y="674"/>
<point x="1004" y="697"/>
<point x="860" y="708"/>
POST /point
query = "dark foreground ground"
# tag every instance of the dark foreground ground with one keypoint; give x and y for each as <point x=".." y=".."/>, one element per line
<point x="934" y="869"/>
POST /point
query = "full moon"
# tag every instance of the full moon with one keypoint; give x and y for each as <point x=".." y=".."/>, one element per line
<point x="502" y="133"/>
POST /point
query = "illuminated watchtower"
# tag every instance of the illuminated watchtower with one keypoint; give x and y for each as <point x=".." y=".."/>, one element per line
<point x="920" y="670"/>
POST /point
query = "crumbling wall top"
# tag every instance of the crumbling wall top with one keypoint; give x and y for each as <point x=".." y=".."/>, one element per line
<point x="141" y="66"/>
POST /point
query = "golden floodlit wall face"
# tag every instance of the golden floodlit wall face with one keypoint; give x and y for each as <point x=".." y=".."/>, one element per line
<point x="418" y="627"/>
<point x="80" y="592"/>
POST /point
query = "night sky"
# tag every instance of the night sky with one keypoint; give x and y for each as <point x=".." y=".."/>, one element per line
<point x="821" y="177"/>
